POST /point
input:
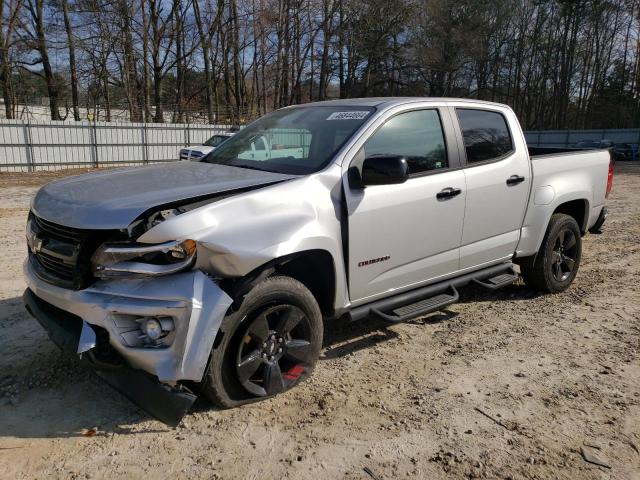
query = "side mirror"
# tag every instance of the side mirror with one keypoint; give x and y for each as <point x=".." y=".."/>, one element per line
<point x="384" y="170"/>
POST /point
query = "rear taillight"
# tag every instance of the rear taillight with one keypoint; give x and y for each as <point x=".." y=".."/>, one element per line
<point x="609" y="179"/>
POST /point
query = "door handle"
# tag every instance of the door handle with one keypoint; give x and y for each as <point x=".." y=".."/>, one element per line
<point x="514" y="180"/>
<point x="448" y="192"/>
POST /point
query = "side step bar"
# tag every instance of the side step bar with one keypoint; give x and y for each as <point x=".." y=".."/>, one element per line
<point x="415" y="303"/>
<point x="422" y="307"/>
<point x="499" y="281"/>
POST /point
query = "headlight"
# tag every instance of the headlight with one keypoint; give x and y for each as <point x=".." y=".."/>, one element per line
<point x="139" y="260"/>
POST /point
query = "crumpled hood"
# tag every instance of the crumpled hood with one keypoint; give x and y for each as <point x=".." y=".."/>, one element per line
<point x="114" y="199"/>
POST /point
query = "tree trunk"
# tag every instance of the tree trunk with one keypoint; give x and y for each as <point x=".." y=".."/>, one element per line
<point x="36" y="8"/>
<point x="156" y="62"/>
<point x="178" y="115"/>
<point x="130" y="76"/>
<point x="146" y="94"/>
<point x="72" y="60"/>
<point x="237" y="70"/>
<point x="206" y="60"/>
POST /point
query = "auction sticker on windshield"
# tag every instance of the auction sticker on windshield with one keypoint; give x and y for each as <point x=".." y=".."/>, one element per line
<point x="357" y="115"/>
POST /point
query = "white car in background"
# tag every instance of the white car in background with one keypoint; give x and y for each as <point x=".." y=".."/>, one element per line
<point x="196" y="152"/>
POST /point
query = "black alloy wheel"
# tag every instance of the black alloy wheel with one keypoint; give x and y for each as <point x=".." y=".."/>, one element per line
<point x="267" y="344"/>
<point x="556" y="264"/>
<point x="564" y="255"/>
<point x="275" y="350"/>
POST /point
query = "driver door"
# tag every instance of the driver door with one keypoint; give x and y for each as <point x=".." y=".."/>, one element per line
<point x="405" y="235"/>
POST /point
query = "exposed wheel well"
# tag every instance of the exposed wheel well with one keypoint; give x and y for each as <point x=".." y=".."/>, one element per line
<point x="578" y="210"/>
<point x="315" y="269"/>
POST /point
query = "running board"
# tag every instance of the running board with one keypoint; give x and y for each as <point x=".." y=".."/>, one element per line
<point x="414" y="303"/>
<point x="419" y="308"/>
<point x="499" y="281"/>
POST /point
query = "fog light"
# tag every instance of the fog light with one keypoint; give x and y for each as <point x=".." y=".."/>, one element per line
<point x="153" y="329"/>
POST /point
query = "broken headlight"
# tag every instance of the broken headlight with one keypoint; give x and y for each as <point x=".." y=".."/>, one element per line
<point x="139" y="260"/>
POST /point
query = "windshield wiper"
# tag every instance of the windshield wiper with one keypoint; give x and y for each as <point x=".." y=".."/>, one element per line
<point x="255" y="168"/>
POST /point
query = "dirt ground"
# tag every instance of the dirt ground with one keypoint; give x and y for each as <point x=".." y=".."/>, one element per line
<point x="504" y="385"/>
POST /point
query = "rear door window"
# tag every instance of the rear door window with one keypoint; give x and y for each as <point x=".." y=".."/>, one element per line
<point x="485" y="133"/>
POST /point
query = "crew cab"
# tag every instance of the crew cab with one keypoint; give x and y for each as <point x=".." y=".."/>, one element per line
<point x="220" y="273"/>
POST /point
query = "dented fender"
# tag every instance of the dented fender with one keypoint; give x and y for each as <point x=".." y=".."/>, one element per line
<point x="238" y="234"/>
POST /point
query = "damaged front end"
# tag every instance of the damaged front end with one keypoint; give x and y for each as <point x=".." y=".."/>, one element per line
<point x="144" y="337"/>
<point x="144" y="315"/>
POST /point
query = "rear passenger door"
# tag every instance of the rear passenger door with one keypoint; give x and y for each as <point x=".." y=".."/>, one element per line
<point x="498" y="179"/>
<point x="404" y="235"/>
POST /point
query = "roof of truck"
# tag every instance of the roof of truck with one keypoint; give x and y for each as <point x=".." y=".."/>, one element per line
<point x="391" y="101"/>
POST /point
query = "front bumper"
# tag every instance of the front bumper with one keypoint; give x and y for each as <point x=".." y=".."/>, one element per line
<point x="168" y="404"/>
<point x="181" y="296"/>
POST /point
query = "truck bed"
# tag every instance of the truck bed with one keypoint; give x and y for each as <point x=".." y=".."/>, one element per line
<point x="546" y="151"/>
<point x="559" y="176"/>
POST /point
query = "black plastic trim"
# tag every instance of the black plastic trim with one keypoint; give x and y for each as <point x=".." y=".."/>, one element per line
<point x="406" y="298"/>
<point x="515" y="180"/>
<point x="497" y="282"/>
<point x="600" y="221"/>
<point x="447" y="298"/>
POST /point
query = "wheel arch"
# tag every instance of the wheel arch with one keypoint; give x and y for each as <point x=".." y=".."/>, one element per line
<point x="538" y="218"/>
<point x="314" y="268"/>
<point x="578" y="209"/>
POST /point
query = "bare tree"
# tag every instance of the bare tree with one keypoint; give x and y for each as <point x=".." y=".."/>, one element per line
<point x="9" y="16"/>
<point x="34" y="29"/>
<point x="72" y="59"/>
<point x="558" y="63"/>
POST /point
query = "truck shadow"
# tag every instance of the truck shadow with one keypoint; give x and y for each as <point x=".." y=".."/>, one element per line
<point x="46" y="394"/>
<point x="342" y="337"/>
<point x="516" y="292"/>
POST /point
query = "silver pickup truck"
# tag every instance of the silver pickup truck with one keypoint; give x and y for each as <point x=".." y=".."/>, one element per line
<point x="215" y="277"/>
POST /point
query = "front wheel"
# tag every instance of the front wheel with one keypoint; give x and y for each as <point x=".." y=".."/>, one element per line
<point x="269" y="345"/>
<point x="556" y="264"/>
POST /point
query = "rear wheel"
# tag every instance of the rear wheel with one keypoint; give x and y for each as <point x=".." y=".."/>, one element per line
<point x="556" y="264"/>
<point x="268" y="346"/>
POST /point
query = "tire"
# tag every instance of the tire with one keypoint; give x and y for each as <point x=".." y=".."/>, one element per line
<point x="553" y="268"/>
<point x="267" y="332"/>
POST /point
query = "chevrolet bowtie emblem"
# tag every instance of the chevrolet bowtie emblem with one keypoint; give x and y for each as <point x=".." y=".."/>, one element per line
<point x="36" y="245"/>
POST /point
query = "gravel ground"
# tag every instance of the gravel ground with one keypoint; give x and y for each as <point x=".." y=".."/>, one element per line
<point x="510" y="384"/>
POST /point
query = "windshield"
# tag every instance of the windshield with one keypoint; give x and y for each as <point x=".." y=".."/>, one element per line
<point x="297" y="141"/>
<point x="215" y="140"/>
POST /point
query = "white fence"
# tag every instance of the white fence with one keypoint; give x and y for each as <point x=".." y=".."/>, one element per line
<point x="49" y="145"/>
<point x="30" y="146"/>
<point x="568" y="138"/>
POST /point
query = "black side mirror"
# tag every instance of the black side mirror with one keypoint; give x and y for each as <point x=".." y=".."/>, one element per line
<point x="384" y="170"/>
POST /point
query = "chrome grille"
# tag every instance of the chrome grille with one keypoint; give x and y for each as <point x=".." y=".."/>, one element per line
<point x="186" y="154"/>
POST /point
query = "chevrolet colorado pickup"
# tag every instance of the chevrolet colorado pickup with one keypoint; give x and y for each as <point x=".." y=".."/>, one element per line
<point x="215" y="276"/>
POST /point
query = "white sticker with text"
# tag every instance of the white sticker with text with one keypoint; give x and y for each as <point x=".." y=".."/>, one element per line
<point x="357" y="115"/>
